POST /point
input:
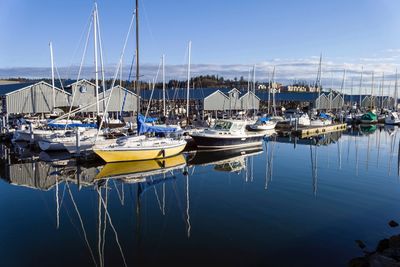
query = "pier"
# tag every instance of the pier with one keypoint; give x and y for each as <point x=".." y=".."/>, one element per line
<point x="309" y="131"/>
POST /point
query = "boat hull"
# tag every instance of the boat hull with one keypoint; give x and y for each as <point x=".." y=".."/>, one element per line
<point x="260" y="128"/>
<point x="216" y="142"/>
<point x="392" y="122"/>
<point x="116" y="155"/>
<point x="369" y="121"/>
<point x="50" y="146"/>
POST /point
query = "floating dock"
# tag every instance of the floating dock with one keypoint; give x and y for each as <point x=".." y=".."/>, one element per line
<point x="309" y="131"/>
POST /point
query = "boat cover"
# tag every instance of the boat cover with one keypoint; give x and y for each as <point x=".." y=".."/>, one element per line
<point x="144" y="128"/>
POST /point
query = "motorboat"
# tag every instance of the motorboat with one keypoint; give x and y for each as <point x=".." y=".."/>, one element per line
<point x="369" y="118"/>
<point x="392" y="118"/>
<point x="227" y="134"/>
<point x="322" y="120"/>
<point x="302" y="118"/>
<point x="263" y="124"/>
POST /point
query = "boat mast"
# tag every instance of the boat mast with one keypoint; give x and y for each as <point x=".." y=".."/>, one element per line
<point x="383" y="81"/>
<point x="163" y="83"/>
<point x="137" y="58"/>
<point x="188" y="81"/>
<point x="52" y="76"/>
<point x="248" y="91"/>
<point x="254" y="89"/>
<point x="351" y="94"/>
<point x="95" y="57"/>
<point x="318" y="81"/>
<point x="395" y="93"/>
<point x="269" y="92"/>
<point x="372" y="92"/>
<point x="273" y="92"/>
<point x="359" y="89"/>
<point x="342" y="87"/>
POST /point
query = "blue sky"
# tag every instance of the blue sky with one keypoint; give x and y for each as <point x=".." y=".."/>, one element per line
<point x="223" y="32"/>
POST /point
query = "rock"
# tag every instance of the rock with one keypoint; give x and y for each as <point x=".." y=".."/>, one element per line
<point x="392" y="253"/>
<point x="361" y="244"/>
<point x="393" y="223"/>
<point x="394" y="241"/>
<point x="382" y="245"/>
<point x="379" y="260"/>
<point x="359" y="262"/>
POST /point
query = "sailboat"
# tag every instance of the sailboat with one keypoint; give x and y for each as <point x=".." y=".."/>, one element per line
<point x="263" y="124"/>
<point x="139" y="147"/>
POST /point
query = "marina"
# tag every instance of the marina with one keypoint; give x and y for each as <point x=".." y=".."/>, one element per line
<point x="180" y="203"/>
<point x="170" y="138"/>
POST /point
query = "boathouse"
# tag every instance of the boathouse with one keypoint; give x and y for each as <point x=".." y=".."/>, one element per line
<point x="31" y="98"/>
<point x="231" y="101"/>
<point x="122" y="100"/>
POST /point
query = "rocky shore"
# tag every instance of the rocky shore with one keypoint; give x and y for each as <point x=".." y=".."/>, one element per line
<point x="386" y="254"/>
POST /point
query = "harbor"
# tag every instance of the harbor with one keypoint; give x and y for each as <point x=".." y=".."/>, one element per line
<point x="171" y="204"/>
<point x="135" y="134"/>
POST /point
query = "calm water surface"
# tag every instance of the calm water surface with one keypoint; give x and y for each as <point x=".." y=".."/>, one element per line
<point x="287" y="203"/>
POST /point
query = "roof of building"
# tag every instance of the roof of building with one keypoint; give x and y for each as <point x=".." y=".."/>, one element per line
<point x="8" y="88"/>
<point x="201" y="93"/>
<point x="11" y="88"/>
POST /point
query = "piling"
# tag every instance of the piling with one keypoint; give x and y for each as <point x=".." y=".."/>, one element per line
<point x="32" y="137"/>
<point x="78" y="142"/>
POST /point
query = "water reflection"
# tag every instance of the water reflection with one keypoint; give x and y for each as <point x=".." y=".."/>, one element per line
<point x="124" y="210"/>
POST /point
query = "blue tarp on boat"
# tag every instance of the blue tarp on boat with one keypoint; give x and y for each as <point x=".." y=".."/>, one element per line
<point x="264" y="119"/>
<point x="144" y="128"/>
<point x="149" y="119"/>
<point x="324" y="116"/>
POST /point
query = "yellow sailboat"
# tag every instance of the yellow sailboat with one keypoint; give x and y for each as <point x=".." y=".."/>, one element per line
<point x="139" y="169"/>
<point x="140" y="148"/>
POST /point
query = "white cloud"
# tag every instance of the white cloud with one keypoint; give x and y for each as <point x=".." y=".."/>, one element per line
<point x="287" y="70"/>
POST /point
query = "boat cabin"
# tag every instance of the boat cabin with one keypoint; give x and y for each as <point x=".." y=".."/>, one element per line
<point x="229" y="125"/>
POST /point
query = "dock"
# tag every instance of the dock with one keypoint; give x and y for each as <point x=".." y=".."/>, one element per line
<point x="309" y="131"/>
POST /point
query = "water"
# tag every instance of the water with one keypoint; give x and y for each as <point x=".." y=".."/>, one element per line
<point x="282" y="204"/>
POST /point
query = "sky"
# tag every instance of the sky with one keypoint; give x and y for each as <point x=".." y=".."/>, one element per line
<point x="228" y="36"/>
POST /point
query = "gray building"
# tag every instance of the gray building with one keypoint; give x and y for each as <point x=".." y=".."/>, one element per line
<point x="122" y="100"/>
<point x="83" y="95"/>
<point x="31" y="98"/>
<point x="231" y="101"/>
